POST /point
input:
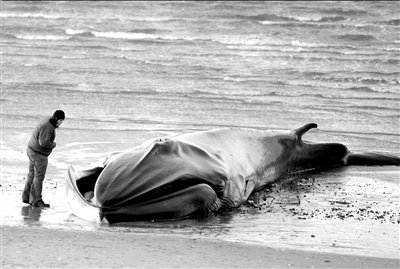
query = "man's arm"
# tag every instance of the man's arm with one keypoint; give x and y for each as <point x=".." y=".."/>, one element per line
<point x="45" y="138"/>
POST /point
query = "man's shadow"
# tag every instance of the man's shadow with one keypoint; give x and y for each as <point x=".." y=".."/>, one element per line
<point x="31" y="214"/>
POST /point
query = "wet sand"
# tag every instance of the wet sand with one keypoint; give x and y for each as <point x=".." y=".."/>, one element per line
<point x="40" y="247"/>
<point x="53" y="238"/>
<point x="344" y="218"/>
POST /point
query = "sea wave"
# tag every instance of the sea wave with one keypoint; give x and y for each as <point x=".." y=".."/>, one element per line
<point x="48" y="16"/>
<point x="395" y="22"/>
<point x="140" y="35"/>
<point x="42" y="37"/>
<point x="298" y="43"/>
<point x="271" y="18"/>
<point x="328" y="93"/>
<point x="31" y="15"/>
<point x="292" y="46"/>
<point x="319" y="19"/>
<point x="372" y="135"/>
<point x="6" y="36"/>
<point x="361" y="89"/>
<point x="145" y="35"/>
<point x="251" y="41"/>
<point x="124" y="35"/>
<point x="151" y="19"/>
<point x="345" y="76"/>
<point x="74" y="32"/>
<point x="355" y="37"/>
<point x="393" y="49"/>
<point x="382" y="113"/>
<point x="378" y="88"/>
<point x="342" y="12"/>
<point x="375" y="90"/>
<point x="255" y="43"/>
<point x="369" y="80"/>
<point x="108" y="91"/>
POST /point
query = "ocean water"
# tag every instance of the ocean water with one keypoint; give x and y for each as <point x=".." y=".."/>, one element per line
<point x="178" y="66"/>
<point x="125" y="72"/>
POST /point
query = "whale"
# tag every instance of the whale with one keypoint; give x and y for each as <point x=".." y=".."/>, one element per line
<point x="193" y="175"/>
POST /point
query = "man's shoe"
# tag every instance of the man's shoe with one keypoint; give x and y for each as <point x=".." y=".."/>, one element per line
<point x="40" y="204"/>
<point x="25" y="201"/>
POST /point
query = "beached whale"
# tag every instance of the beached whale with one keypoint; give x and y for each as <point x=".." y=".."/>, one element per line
<point x="198" y="173"/>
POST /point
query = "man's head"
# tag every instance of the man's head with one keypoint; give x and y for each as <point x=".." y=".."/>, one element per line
<point x="58" y="117"/>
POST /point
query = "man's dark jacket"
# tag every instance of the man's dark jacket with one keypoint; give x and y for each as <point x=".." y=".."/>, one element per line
<point x="42" y="139"/>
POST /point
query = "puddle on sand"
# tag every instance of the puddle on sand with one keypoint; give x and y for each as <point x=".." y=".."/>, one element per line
<point x="349" y="211"/>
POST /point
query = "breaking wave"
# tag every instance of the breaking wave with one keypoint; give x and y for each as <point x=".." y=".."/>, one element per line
<point x="48" y="37"/>
<point x="31" y="15"/>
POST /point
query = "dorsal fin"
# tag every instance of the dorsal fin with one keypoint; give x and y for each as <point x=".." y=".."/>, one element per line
<point x="302" y="130"/>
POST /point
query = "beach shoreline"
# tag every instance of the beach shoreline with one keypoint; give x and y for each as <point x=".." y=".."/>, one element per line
<point x="297" y="237"/>
<point x="129" y="71"/>
<point x="66" y="248"/>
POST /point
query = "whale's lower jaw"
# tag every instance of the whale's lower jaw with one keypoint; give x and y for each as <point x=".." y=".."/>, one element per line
<point x="195" y="201"/>
<point x="80" y="206"/>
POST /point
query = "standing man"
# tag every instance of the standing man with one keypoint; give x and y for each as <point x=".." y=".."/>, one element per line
<point x="39" y="148"/>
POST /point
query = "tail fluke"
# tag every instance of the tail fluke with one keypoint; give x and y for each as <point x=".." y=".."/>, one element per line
<point x="371" y="158"/>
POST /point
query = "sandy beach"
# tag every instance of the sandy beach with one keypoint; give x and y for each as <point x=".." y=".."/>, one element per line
<point x="53" y="238"/>
<point x="340" y="219"/>
<point x="125" y="72"/>
<point x="37" y="247"/>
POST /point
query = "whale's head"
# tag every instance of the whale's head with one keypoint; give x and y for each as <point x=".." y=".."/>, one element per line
<point x="163" y="179"/>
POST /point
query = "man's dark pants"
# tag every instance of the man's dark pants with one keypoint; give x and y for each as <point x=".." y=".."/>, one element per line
<point x="34" y="182"/>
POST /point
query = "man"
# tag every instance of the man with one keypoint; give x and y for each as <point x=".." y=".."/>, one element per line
<point x="39" y="148"/>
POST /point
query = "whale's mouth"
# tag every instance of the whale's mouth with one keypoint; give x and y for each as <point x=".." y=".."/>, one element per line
<point x="86" y="180"/>
<point x="175" y="186"/>
<point x="160" y="194"/>
<point x="165" y="179"/>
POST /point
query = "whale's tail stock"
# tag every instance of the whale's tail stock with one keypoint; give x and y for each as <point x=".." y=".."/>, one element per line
<point x="338" y="154"/>
<point x="371" y="158"/>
